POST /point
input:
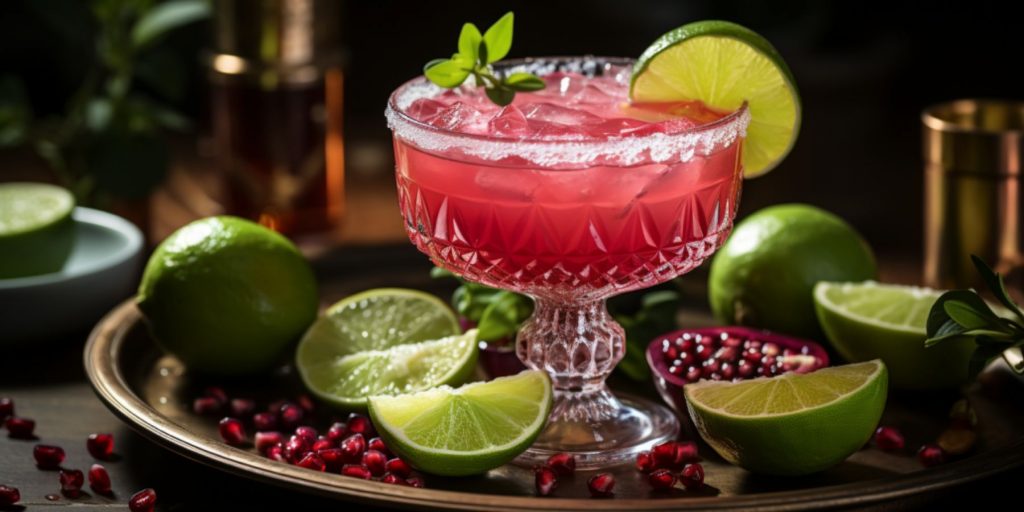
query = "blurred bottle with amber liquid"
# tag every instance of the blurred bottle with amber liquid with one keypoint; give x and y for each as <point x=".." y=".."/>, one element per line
<point x="276" y="105"/>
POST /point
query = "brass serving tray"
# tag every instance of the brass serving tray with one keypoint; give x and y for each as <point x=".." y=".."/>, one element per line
<point x="152" y="393"/>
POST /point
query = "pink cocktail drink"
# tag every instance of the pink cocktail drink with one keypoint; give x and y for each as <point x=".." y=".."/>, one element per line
<point x="569" y="195"/>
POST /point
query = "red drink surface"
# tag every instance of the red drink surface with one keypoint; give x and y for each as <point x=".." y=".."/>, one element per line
<point x="570" y="192"/>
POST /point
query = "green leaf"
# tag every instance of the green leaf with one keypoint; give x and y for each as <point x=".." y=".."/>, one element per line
<point x="970" y="315"/>
<point x="502" y="317"/>
<point x="166" y="17"/>
<point x="15" y="111"/>
<point x="499" y="38"/>
<point x="469" y="42"/>
<point x="446" y="73"/>
<point x="524" y="82"/>
<point x="501" y="96"/>
<point x="440" y="273"/>
<point x="996" y="285"/>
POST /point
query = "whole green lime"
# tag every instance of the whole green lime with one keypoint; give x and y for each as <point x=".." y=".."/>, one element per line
<point x="764" y="275"/>
<point x="227" y="296"/>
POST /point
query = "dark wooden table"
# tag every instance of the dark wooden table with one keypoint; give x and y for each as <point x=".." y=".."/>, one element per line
<point x="49" y="385"/>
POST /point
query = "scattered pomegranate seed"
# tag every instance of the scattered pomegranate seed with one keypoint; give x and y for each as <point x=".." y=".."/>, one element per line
<point x="391" y="478"/>
<point x="232" y="431"/>
<point x="337" y="432"/>
<point x="291" y="415"/>
<point x="6" y="408"/>
<point x="242" y="407"/>
<point x="357" y="471"/>
<point x="296" y="447"/>
<point x="378" y="444"/>
<point x="275" y="407"/>
<point x="889" y="439"/>
<point x="563" y="463"/>
<point x="100" y="446"/>
<point x="931" y="455"/>
<point x="276" y="452"/>
<point x="21" y="428"/>
<point x="9" y="495"/>
<point x="664" y="454"/>
<point x="334" y="458"/>
<point x="264" y="421"/>
<point x="306" y="403"/>
<point x="661" y="479"/>
<point x="545" y="479"/>
<point x="321" y="444"/>
<point x="359" y="424"/>
<point x="375" y="462"/>
<point x="217" y="393"/>
<point x="71" y="481"/>
<point x="686" y="453"/>
<point x="398" y="467"/>
<point x="48" y="457"/>
<point x="601" y="485"/>
<point x="309" y="433"/>
<point x="142" y="501"/>
<point x="644" y="462"/>
<point x="99" y="479"/>
<point x="312" y="461"/>
<point x="264" y="440"/>
<point x="207" y="406"/>
<point x="730" y="357"/>
<point x="692" y="476"/>
<point x="416" y="481"/>
<point x="353" y="447"/>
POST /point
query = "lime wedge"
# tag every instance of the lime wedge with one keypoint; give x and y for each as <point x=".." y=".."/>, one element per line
<point x="36" y="232"/>
<point x="382" y="341"/>
<point x="723" y="64"/>
<point x="868" y="320"/>
<point x="468" y="430"/>
<point x="794" y="424"/>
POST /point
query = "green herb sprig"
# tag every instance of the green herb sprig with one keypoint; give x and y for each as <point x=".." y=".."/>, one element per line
<point x="476" y="54"/>
<point x="959" y="314"/>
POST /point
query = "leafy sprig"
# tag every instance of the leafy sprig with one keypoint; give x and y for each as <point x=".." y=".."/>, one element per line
<point x="960" y="314"/>
<point x="476" y="54"/>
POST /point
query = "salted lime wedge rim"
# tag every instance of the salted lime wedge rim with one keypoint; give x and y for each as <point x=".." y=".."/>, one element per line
<point x="383" y="340"/>
<point x="723" y="64"/>
<point x="834" y="296"/>
<point x="27" y="207"/>
<point x="466" y="430"/>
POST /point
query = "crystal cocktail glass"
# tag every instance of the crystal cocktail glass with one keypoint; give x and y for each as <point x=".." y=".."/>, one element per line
<point x="570" y="223"/>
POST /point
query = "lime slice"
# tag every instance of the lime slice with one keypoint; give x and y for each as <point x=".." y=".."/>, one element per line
<point x="387" y="340"/>
<point x="868" y="320"/>
<point x="36" y="232"/>
<point x="723" y="64"/>
<point x="468" y="430"/>
<point x="794" y="424"/>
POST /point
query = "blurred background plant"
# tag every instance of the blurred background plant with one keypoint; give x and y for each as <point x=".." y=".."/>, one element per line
<point x="106" y="140"/>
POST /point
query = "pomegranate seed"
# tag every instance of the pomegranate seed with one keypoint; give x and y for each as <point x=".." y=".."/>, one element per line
<point x="601" y="485"/>
<point x="265" y="421"/>
<point x="644" y="462"/>
<point x="359" y="424"/>
<point x="9" y="495"/>
<point x="322" y="444"/>
<point x="142" y="501"/>
<point x="207" y="406"/>
<point x="375" y="462"/>
<point x="296" y="447"/>
<point x="231" y="431"/>
<point x="264" y="440"/>
<point x="20" y="428"/>
<point x="378" y="444"/>
<point x="337" y="432"/>
<point x="306" y="403"/>
<point x="48" y="457"/>
<point x="692" y="476"/>
<point x="309" y="433"/>
<point x="661" y="479"/>
<point x="100" y="446"/>
<point x="745" y="370"/>
<point x="686" y="453"/>
<point x="6" y="410"/>
<point x="391" y="478"/>
<point x="416" y="481"/>
<point x="217" y="393"/>
<point x="563" y="463"/>
<point x="931" y="455"/>
<point x="664" y="454"/>
<point x="693" y="374"/>
<point x="99" y="479"/>
<point x="353" y="447"/>
<point x="398" y="467"/>
<point x="242" y="407"/>
<point x="312" y="461"/>
<point x="357" y="471"/>
<point x="545" y="479"/>
<point x="291" y="415"/>
<point x="71" y="481"/>
<point x="276" y="452"/>
<point x="889" y="439"/>
<point x="770" y="349"/>
<point x="334" y="458"/>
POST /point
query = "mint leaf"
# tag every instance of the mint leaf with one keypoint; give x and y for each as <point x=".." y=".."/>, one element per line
<point x="469" y="43"/>
<point x="524" y="82"/>
<point x="970" y="315"/>
<point x="996" y="285"/>
<point x="499" y="38"/>
<point x="446" y="72"/>
<point x="165" y="17"/>
<point x="500" y="95"/>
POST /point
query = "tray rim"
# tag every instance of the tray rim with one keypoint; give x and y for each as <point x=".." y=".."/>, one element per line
<point x="100" y="358"/>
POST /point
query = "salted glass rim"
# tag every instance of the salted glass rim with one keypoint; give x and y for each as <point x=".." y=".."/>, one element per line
<point x="678" y="146"/>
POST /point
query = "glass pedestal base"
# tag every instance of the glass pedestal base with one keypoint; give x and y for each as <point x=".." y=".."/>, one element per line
<point x="600" y="429"/>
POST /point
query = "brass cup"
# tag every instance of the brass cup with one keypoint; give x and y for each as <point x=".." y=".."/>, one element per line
<point x="973" y="153"/>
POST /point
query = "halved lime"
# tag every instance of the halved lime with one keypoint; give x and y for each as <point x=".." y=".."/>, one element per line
<point x="793" y="424"/>
<point x="468" y="430"/>
<point x="868" y="320"/>
<point x="36" y="232"/>
<point x="387" y="340"/>
<point x="723" y="64"/>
